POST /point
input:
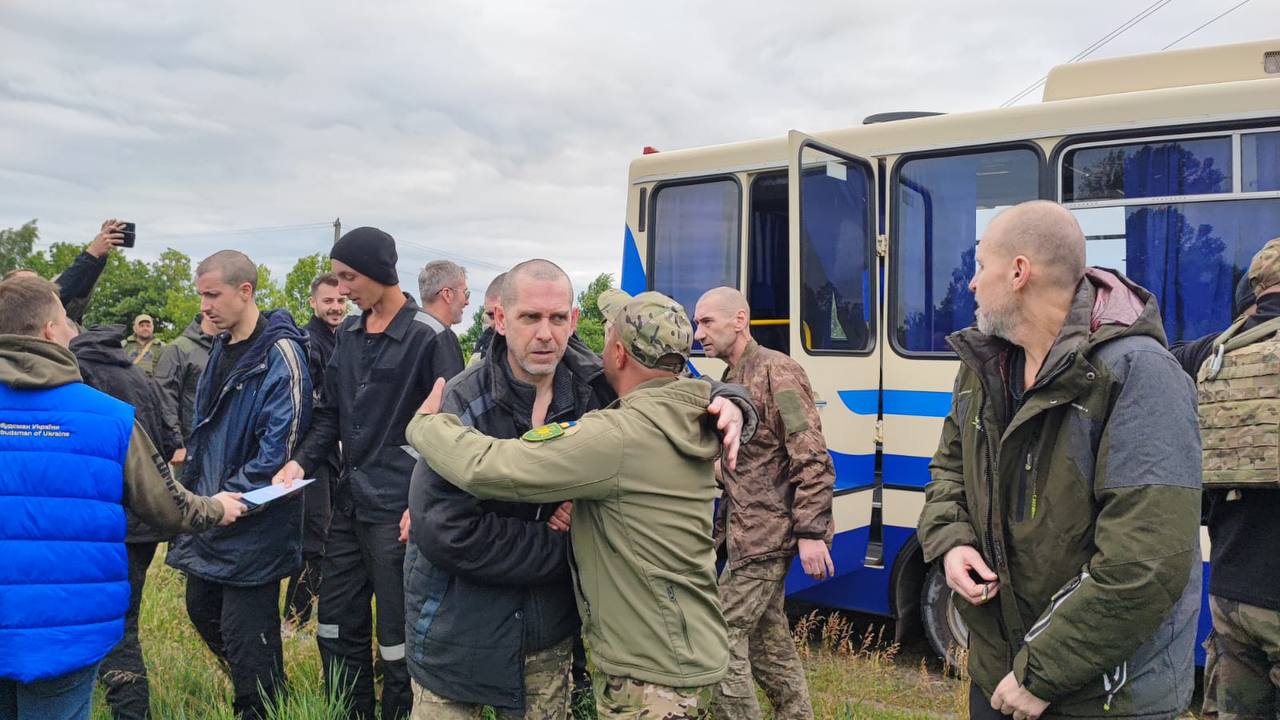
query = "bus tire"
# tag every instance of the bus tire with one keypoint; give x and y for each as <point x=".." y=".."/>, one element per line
<point x="943" y="625"/>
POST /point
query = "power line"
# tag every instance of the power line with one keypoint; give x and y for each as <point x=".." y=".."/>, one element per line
<point x="1094" y="47"/>
<point x="1207" y="24"/>
<point x="246" y="231"/>
<point x="460" y="259"/>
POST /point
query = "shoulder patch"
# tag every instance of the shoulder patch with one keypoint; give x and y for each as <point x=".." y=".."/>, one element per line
<point x="791" y="408"/>
<point x="550" y="431"/>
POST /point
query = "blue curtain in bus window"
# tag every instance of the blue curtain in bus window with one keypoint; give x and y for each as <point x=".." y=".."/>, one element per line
<point x="940" y="202"/>
<point x="1260" y="162"/>
<point x="1190" y="255"/>
<point x="834" y="254"/>
<point x="695" y="239"/>
<point x="1184" y="167"/>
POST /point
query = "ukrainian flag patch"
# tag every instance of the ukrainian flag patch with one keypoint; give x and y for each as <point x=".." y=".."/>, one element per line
<point x="550" y="431"/>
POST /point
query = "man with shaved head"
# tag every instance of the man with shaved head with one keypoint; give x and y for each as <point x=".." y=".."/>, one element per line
<point x="777" y="505"/>
<point x="1064" y="506"/>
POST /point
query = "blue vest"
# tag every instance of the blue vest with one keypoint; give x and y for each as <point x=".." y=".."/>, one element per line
<point x="64" y="574"/>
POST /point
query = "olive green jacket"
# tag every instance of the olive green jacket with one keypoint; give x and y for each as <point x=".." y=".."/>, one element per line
<point x="640" y="473"/>
<point x="1086" y="502"/>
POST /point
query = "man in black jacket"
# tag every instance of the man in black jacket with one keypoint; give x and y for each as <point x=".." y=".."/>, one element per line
<point x="328" y="310"/>
<point x="490" y="614"/>
<point x="383" y="366"/>
<point x="76" y="283"/>
<point x="104" y="366"/>
<point x="1244" y="532"/>
<point x="177" y="373"/>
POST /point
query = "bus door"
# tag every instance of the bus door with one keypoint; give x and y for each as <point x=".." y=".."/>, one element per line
<point x="833" y="335"/>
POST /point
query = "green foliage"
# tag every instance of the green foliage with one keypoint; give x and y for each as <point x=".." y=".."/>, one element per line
<point x="16" y="245"/>
<point x="297" y="285"/>
<point x="468" y="339"/>
<point x="590" y="320"/>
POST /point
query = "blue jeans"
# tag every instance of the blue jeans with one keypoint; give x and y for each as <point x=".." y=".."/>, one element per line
<point x="67" y="697"/>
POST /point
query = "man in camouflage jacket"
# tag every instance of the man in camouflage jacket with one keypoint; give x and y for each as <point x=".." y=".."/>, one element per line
<point x="777" y="504"/>
<point x="1065" y="494"/>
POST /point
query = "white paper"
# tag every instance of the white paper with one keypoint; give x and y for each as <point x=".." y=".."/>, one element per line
<point x="261" y="496"/>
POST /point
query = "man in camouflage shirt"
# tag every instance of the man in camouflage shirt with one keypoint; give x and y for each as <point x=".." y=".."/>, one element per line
<point x="778" y="504"/>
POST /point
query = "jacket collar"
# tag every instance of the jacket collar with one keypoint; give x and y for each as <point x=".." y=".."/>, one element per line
<point x="579" y="370"/>
<point x="399" y="326"/>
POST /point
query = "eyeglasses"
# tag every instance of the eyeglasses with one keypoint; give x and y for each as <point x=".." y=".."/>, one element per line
<point x="466" y="292"/>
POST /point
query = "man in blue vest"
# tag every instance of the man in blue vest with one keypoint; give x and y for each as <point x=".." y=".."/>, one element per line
<point x="71" y="460"/>
<point x="252" y="405"/>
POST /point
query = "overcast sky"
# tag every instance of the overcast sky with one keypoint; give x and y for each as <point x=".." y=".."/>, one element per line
<point x="491" y="131"/>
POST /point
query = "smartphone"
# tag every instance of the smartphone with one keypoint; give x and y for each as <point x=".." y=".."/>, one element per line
<point x="130" y="234"/>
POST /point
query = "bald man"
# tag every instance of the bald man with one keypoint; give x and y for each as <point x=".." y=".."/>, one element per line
<point x="778" y="506"/>
<point x="1065" y="496"/>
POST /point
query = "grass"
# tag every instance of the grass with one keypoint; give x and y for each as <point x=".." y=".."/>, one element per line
<point x="853" y="673"/>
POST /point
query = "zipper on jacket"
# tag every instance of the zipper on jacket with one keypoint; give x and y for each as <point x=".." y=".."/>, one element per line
<point x="1028" y="484"/>
<point x="684" y="625"/>
<point x="991" y="494"/>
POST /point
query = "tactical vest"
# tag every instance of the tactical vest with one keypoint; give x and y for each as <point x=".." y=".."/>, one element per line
<point x="1238" y="390"/>
<point x="64" y="574"/>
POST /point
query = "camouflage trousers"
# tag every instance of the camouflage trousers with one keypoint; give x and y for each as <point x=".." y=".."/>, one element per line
<point x="1247" y="639"/>
<point x="546" y="696"/>
<point x="623" y="698"/>
<point x="1209" y="708"/>
<point x="760" y="646"/>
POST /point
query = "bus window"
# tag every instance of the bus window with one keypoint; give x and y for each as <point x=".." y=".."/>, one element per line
<point x="943" y="204"/>
<point x="1260" y="162"/>
<point x="767" y="263"/>
<point x="1189" y="254"/>
<point x="695" y="238"/>
<point x="1189" y="166"/>
<point x="835" y="258"/>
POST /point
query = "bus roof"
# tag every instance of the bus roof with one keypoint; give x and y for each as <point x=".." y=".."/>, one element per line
<point x="1181" y="87"/>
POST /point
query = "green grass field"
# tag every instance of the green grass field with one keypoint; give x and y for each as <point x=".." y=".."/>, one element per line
<point x="852" y="673"/>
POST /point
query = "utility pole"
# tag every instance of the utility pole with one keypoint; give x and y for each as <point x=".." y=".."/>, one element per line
<point x="337" y="229"/>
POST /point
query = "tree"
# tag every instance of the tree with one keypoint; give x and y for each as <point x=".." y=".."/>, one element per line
<point x="16" y="245"/>
<point x="468" y="339"/>
<point x="297" y="285"/>
<point x="269" y="294"/>
<point x="590" y="319"/>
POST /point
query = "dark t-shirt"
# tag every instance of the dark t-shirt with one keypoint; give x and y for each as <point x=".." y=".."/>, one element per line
<point x="232" y="352"/>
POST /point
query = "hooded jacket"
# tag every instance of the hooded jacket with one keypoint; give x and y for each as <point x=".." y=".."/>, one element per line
<point x="640" y="474"/>
<point x="245" y="430"/>
<point x="105" y="367"/>
<point x="178" y="371"/>
<point x="1085" y="499"/>
<point x="71" y="459"/>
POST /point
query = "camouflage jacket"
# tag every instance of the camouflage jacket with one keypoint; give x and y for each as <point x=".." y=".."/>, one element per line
<point x="1085" y="500"/>
<point x="781" y="489"/>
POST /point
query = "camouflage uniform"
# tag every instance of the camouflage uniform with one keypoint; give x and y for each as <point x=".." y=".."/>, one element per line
<point x="780" y="492"/>
<point x="1248" y="645"/>
<point x="547" y="691"/>
<point x="621" y="698"/>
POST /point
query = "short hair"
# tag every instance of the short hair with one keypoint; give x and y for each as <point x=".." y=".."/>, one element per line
<point x="235" y="266"/>
<point x="325" y="278"/>
<point x="1047" y="233"/>
<point x="18" y="271"/>
<point x="29" y="304"/>
<point x="438" y="275"/>
<point x="494" y="291"/>
<point x="536" y="269"/>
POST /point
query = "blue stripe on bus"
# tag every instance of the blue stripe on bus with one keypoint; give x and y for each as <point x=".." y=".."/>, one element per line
<point x="906" y="470"/>
<point x="853" y="471"/>
<point x="918" y="403"/>
<point x="633" y="279"/>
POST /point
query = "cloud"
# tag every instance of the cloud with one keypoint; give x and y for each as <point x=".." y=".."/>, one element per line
<point x="493" y="131"/>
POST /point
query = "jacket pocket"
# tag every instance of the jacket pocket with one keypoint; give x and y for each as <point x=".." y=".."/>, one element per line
<point x="669" y="591"/>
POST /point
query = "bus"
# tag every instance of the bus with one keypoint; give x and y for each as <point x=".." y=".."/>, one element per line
<point x="855" y="247"/>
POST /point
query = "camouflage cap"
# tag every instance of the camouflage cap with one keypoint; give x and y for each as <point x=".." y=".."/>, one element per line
<point x="653" y="328"/>
<point x="1264" y="271"/>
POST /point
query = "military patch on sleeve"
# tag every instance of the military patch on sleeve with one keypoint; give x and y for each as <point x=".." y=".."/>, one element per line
<point x="791" y="407"/>
<point x="550" y="431"/>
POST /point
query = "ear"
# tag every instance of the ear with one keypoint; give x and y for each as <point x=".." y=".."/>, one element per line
<point x="741" y="321"/>
<point x="1021" y="272"/>
<point x="573" y="320"/>
<point x="499" y="320"/>
<point x="246" y="291"/>
<point x="47" y="332"/>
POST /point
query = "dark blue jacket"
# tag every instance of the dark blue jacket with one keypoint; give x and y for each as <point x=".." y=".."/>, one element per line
<point x="64" y="579"/>
<point x="245" y="430"/>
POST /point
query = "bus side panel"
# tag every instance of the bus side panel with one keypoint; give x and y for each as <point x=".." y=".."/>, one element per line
<point x="633" y="276"/>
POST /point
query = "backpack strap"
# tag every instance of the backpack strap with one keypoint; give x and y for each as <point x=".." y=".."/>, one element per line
<point x="1228" y="341"/>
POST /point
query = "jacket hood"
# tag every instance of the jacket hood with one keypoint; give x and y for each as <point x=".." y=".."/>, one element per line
<point x="28" y="363"/>
<point x="101" y="345"/>
<point x="280" y="326"/>
<point x="678" y="407"/>
<point x="196" y="335"/>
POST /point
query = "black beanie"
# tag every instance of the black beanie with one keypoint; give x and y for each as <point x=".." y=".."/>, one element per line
<point x="369" y="251"/>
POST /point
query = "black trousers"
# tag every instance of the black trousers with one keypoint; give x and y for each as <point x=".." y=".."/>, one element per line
<point x="980" y="706"/>
<point x="123" y="671"/>
<point x="362" y="561"/>
<point x="304" y="586"/>
<point x="241" y="626"/>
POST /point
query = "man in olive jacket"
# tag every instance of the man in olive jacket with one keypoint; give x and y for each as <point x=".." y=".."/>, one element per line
<point x="641" y="475"/>
<point x="1065" y="493"/>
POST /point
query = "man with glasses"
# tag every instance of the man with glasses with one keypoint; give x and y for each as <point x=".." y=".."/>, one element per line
<point x="445" y="295"/>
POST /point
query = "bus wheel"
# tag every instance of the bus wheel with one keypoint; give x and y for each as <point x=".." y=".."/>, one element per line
<point x="943" y="625"/>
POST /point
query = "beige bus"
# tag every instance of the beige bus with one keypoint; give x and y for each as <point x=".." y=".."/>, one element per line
<point x="855" y="248"/>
